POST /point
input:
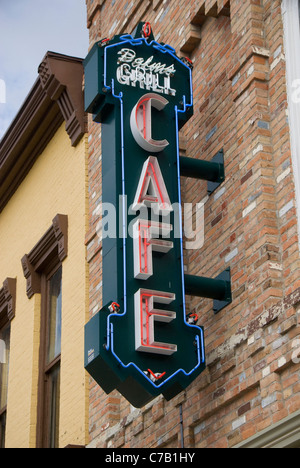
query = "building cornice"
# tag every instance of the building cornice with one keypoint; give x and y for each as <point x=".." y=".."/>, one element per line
<point x="284" y="434"/>
<point x="56" y="96"/>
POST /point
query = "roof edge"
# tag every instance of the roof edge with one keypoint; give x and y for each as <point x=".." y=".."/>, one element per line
<point x="56" y="96"/>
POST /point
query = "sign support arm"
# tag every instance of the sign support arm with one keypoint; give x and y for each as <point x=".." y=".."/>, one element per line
<point x="213" y="171"/>
<point x="218" y="288"/>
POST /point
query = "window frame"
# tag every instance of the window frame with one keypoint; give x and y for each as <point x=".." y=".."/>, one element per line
<point x="45" y="368"/>
<point x="7" y="313"/>
<point x="3" y="409"/>
<point x="38" y="266"/>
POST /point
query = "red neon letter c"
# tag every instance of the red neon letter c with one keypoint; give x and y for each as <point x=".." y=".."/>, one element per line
<point x="141" y="122"/>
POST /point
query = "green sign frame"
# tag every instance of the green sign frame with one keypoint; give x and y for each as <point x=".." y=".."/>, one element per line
<point x="141" y="93"/>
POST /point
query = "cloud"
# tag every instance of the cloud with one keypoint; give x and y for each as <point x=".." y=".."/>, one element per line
<point x="28" y="29"/>
<point x="2" y="92"/>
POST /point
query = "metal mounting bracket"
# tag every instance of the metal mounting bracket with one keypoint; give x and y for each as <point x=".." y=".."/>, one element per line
<point x="213" y="171"/>
<point x="218" y="289"/>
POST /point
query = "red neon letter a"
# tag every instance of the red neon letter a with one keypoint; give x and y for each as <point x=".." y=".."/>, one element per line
<point x="152" y="190"/>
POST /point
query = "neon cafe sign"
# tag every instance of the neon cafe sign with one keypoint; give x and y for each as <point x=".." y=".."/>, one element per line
<point x="142" y="342"/>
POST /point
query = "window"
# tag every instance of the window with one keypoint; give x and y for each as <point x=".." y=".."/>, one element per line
<point x="42" y="269"/>
<point x="4" y="366"/>
<point x="50" y="350"/>
<point x="7" y="313"/>
<point x="54" y="316"/>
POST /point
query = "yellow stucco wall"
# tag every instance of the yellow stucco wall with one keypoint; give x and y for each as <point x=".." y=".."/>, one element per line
<point x="55" y="184"/>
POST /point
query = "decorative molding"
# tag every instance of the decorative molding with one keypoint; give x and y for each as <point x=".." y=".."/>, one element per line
<point x="57" y="95"/>
<point x="60" y="228"/>
<point x="210" y="8"/>
<point x="54" y="243"/>
<point x="92" y="9"/>
<point x="192" y="38"/>
<point x="207" y="9"/>
<point x="284" y="434"/>
<point x="8" y="299"/>
<point x="61" y="78"/>
<point x="156" y="4"/>
<point x="33" y="283"/>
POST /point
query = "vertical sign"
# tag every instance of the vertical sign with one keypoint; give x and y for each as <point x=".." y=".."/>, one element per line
<point x="141" y="343"/>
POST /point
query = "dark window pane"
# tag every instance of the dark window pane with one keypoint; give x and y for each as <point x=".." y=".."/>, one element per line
<point x="2" y="429"/>
<point x="54" y="390"/>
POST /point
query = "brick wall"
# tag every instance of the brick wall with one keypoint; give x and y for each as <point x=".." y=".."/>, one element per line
<point x="251" y="380"/>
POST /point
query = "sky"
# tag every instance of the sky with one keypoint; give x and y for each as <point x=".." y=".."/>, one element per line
<point x="28" y="29"/>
